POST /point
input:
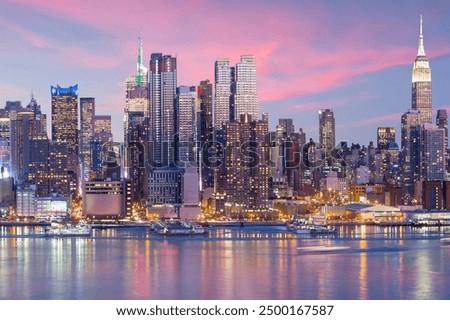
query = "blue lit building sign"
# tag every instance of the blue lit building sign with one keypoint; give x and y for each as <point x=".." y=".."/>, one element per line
<point x="58" y="91"/>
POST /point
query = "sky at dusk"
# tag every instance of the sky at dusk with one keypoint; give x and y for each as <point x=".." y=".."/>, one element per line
<point x="352" y="56"/>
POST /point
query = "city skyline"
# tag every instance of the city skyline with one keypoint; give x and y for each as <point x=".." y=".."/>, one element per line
<point x="357" y="61"/>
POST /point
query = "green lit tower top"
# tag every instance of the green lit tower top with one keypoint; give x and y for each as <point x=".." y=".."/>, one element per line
<point x="141" y="75"/>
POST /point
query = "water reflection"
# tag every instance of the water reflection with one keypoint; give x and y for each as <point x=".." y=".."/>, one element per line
<point x="230" y="263"/>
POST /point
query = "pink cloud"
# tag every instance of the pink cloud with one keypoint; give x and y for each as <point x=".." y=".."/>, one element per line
<point x="296" y="56"/>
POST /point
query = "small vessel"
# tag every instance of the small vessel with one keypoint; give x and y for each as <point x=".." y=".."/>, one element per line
<point x="68" y="230"/>
<point x="176" y="227"/>
<point x="445" y="240"/>
<point x="303" y="227"/>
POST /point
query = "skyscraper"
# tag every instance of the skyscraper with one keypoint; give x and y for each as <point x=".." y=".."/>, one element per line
<point x="327" y="135"/>
<point x="442" y="122"/>
<point x="223" y="99"/>
<point x="136" y="153"/>
<point x="433" y="160"/>
<point x="4" y="142"/>
<point x="421" y="83"/>
<point x="163" y="84"/>
<point x="22" y="129"/>
<point x="165" y="179"/>
<point x="39" y="163"/>
<point x="58" y="158"/>
<point x="87" y="106"/>
<point x="245" y="97"/>
<point x="65" y="127"/>
<point x="136" y="126"/>
<point x="187" y="101"/>
<point x="410" y="150"/>
<point x="247" y="179"/>
<point x="205" y="135"/>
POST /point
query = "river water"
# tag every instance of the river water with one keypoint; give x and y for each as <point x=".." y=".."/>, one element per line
<point x="360" y="262"/>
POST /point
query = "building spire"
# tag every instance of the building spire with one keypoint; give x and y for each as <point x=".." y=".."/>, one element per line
<point x="141" y="69"/>
<point x="421" y="51"/>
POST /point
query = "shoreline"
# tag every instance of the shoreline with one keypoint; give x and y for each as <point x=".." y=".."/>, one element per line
<point x="113" y="225"/>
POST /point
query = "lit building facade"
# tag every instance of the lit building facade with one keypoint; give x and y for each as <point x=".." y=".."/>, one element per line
<point x="59" y="178"/>
<point x="4" y="141"/>
<point x="165" y="178"/>
<point x="327" y="133"/>
<point x="246" y="97"/>
<point x="53" y="207"/>
<point x="247" y="172"/>
<point x="26" y="202"/>
<point x="39" y="169"/>
<point x="21" y="129"/>
<point x="163" y="84"/>
<point x="187" y="106"/>
<point x="442" y="122"/>
<point x="137" y="104"/>
<point x="65" y="128"/>
<point x="223" y="99"/>
<point x="205" y="136"/>
<point x="87" y="106"/>
<point x="385" y="136"/>
<point x="410" y="150"/>
<point x="433" y="158"/>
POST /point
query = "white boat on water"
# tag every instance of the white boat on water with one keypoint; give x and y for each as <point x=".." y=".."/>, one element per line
<point x="445" y="240"/>
<point x="68" y="230"/>
<point x="177" y="227"/>
<point x="302" y="227"/>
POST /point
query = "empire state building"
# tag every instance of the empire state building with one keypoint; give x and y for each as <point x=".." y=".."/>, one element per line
<point x="421" y="83"/>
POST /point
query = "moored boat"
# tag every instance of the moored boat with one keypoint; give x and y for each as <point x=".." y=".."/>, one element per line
<point x="68" y="230"/>
<point x="177" y="227"/>
<point x="303" y="227"/>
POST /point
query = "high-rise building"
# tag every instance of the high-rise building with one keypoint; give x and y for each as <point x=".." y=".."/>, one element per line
<point x="163" y="84"/>
<point x="327" y="134"/>
<point x="205" y="136"/>
<point x="247" y="180"/>
<point x="165" y="179"/>
<point x="421" y="83"/>
<point x="22" y="128"/>
<point x="136" y="153"/>
<point x="245" y="97"/>
<point x="58" y="157"/>
<point x="136" y="126"/>
<point x="187" y="101"/>
<point x="410" y="150"/>
<point x="4" y="142"/>
<point x="223" y="98"/>
<point x="87" y="106"/>
<point x="385" y="136"/>
<point x="65" y="127"/>
<point x="39" y="170"/>
<point x="433" y="158"/>
<point x="442" y="122"/>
